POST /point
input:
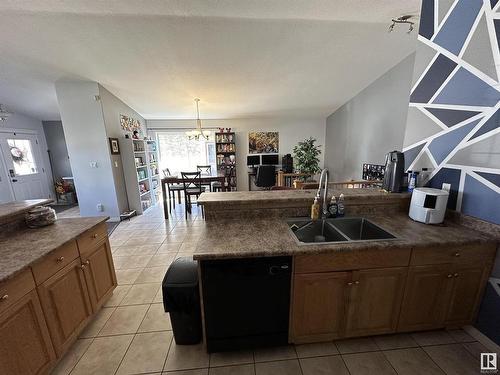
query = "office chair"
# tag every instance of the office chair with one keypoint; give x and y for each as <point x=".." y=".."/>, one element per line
<point x="266" y="176"/>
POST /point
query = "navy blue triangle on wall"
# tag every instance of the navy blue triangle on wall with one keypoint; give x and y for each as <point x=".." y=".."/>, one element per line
<point x="451" y="117"/>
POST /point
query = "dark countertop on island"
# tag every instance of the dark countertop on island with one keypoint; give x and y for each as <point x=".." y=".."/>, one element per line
<point x="12" y="210"/>
<point x="23" y="247"/>
<point x="271" y="237"/>
<point x="276" y="196"/>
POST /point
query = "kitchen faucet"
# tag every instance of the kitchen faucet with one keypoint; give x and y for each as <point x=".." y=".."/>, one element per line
<point x="324" y="175"/>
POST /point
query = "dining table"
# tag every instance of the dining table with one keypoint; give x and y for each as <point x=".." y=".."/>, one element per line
<point x="204" y="179"/>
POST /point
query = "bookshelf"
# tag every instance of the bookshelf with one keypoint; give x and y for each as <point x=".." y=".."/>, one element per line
<point x="225" y="147"/>
<point x="140" y="169"/>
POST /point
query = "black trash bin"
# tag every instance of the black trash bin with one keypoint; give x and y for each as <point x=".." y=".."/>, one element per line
<point x="181" y="298"/>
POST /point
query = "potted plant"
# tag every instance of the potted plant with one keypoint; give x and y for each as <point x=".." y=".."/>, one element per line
<point x="305" y="156"/>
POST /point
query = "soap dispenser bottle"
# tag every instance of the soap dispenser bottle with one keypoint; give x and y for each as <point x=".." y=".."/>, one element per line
<point x="340" y="206"/>
<point x="315" y="209"/>
<point x="333" y="207"/>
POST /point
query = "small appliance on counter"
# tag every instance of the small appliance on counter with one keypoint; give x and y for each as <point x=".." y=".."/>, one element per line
<point x="428" y="205"/>
<point x="394" y="172"/>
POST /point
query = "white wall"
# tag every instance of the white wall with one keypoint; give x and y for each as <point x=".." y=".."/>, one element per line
<point x="87" y="142"/>
<point x="20" y="122"/>
<point x="292" y="130"/>
<point x="369" y="125"/>
<point x="112" y="108"/>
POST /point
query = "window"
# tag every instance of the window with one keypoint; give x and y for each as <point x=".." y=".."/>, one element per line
<point x="22" y="156"/>
<point x="179" y="154"/>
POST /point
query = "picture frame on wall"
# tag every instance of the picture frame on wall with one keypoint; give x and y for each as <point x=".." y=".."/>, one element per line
<point x="263" y="142"/>
<point x="114" y="145"/>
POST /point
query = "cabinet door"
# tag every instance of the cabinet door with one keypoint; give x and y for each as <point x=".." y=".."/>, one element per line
<point x="375" y="301"/>
<point x="468" y="284"/>
<point x="100" y="275"/>
<point x="25" y="346"/>
<point x="318" y="306"/>
<point x="426" y="297"/>
<point x="66" y="304"/>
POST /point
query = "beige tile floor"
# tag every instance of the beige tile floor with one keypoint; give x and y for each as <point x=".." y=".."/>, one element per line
<point x="132" y="334"/>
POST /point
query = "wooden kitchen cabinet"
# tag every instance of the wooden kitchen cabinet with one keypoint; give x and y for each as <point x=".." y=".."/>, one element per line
<point x="425" y="299"/>
<point x="465" y="295"/>
<point x="318" y="309"/>
<point x="99" y="274"/>
<point x="65" y="302"/>
<point x="375" y="301"/>
<point x="25" y="345"/>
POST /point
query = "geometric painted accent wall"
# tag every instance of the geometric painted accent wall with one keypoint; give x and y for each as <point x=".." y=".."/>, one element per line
<point x="453" y="124"/>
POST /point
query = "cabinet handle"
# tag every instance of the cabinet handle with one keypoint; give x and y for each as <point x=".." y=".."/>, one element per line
<point x="94" y="235"/>
<point x="60" y="259"/>
<point x="356" y="282"/>
<point x="87" y="262"/>
<point x="4" y="297"/>
<point x="449" y="276"/>
<point x="82" y="266"/>
<point x="349" y="283"/>
<point x="455" y="275"/>
<point x="457" y="254"/>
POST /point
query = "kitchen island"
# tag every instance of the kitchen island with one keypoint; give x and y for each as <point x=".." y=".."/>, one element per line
<point x="427" y="277"/>
<point x="53" y="280"/>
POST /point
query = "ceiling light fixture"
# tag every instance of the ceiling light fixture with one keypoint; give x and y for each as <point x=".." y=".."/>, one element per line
<point x="4" y="115"/>
<point x="198" y="132"/>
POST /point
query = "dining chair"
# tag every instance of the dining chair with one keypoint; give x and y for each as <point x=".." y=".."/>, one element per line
<point x="206" y="170"/>
<point x="191" y="182"/>
<point x="172" y="188"/>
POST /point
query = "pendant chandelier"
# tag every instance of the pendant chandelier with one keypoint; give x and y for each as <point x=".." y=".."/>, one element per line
<point x="198" y="132"/>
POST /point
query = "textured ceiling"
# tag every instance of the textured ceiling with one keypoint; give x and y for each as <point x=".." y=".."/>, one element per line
<point x="242" y="58"/>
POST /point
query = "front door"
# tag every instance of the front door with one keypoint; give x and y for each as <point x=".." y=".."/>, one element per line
<point x="23" y="165"/>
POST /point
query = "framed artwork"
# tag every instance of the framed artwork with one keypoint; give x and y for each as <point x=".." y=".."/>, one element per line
<point x="115" y="146"/>
<point x="263" y="142"/>
<point x="138" y="161"/>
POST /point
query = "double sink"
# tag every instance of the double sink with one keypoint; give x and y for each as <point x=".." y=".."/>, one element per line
<point x="345" y="229"/>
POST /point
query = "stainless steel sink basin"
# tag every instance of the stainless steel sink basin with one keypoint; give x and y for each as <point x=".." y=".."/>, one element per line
<point x="359" y="229"/>
<point x="308" y="231"/>
<point x="347" y="229"/>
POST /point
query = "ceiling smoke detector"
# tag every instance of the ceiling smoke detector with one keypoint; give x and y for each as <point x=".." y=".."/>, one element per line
<point x="403" y="19"/>
<point x="4" y="115"/>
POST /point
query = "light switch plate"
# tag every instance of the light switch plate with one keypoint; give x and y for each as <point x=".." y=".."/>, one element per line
<point x="446" y="187"/>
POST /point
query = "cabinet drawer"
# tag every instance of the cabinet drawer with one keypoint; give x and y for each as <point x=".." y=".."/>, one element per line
<point x="352" y="260"/>
<point x="89" y="240"/>
<point x="453" y="254"/>
<point x="14" y="289"/>
<point x="54" y="261"/>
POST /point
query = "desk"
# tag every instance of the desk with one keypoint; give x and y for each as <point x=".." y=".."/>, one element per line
<point x="282" y="178"/>
<point x="178" y="180"/>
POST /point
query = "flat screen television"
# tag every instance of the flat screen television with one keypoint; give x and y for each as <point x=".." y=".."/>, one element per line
<point x="272" y="159"/>
<point x="253" y="160"/>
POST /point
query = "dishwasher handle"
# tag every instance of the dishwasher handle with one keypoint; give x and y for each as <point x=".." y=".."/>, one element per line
<point x="275" y="270"/>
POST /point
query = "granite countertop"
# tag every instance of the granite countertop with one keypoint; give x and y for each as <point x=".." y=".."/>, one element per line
<point x="270" y="237"/>
<point x="273" y="196"/>
<point x="13" y="209"/>
<point x="22" y="248"/>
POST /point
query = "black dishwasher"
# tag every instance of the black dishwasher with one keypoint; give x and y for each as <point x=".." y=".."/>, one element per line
<point x="246" y="302"/>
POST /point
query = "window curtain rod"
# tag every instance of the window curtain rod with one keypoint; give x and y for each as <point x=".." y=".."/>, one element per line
<point x="179" y="129"/>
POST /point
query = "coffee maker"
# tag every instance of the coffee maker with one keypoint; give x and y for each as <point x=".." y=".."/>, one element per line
<point x="394" y="172"/>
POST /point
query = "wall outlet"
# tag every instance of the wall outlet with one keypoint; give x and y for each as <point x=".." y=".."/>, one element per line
<point x="446" y="187"/>
<point x="93" y="164"/>
<point x="100" y="207"/>
<point x="116" y="164"/>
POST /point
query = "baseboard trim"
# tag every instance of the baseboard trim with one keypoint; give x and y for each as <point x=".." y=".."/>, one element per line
<point x="482" y="338"/>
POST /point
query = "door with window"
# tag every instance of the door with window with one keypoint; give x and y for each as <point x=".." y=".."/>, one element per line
<point x="23" y="166"/>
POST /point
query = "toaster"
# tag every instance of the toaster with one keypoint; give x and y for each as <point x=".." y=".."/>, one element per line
<point x="428" y="205"/>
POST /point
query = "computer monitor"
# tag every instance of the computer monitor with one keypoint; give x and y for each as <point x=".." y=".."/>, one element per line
<point x="272" y="159"/>
<point x="253" y="160"/>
